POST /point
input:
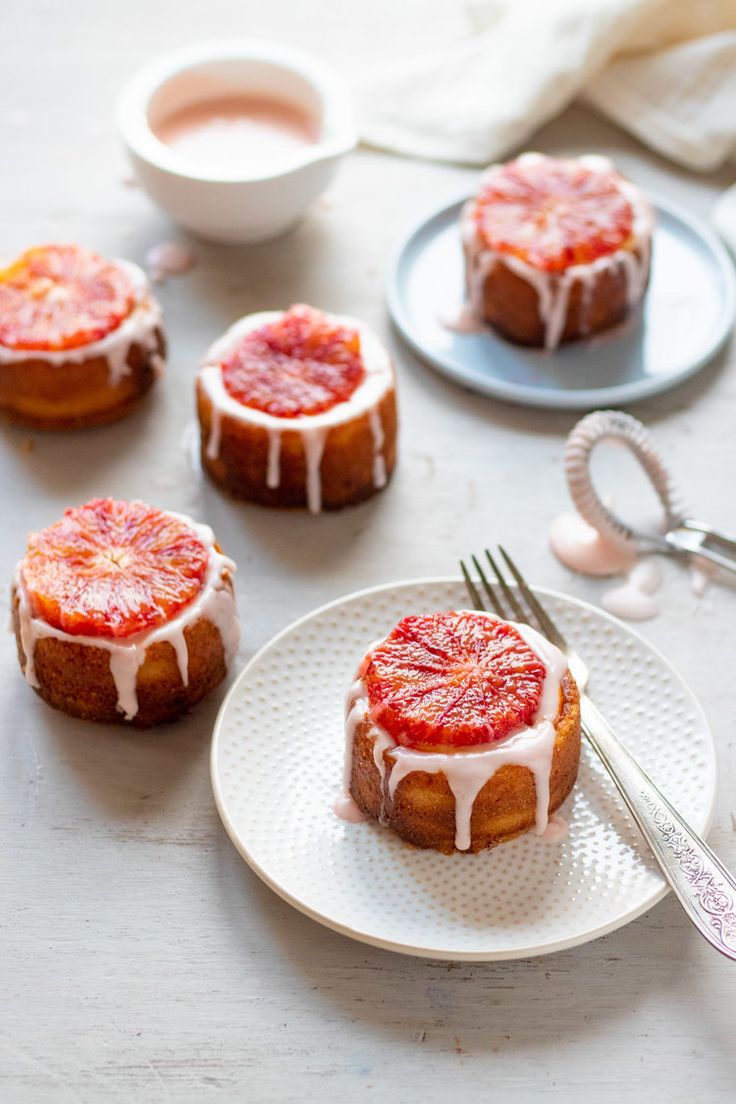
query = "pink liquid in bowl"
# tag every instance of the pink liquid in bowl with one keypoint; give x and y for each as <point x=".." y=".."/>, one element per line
<point x="238" y="133"/>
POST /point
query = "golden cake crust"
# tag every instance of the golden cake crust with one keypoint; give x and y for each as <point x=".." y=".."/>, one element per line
<point x="510" y="303"/>
<point x="346" y="469"/>
<point x="76" y="678"/>
<point x="75" y="394"/>
<point x="422" y="811"/>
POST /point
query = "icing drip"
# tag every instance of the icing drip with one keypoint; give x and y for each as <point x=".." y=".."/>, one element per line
<point x="314" y="446"/>
<point x="139" y="328"/>
<point x="215" y="434"/>
<point x="468" y="770"/>
<point x="553" y="289"/>
<point x="214" y="603"/>
<point x="556" y="830"/>
<point x="273" y="467"/>
<point x="379" y="464"/>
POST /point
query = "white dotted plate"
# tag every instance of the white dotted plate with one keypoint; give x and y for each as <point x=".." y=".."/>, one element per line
<point x="686" y="317"/>
<point x="277" y="757"/>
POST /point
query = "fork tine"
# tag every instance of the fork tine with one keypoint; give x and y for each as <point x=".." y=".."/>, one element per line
<point x="475" y="597"/>
<point x="507" y="592"/>
<point x="547" y="625"/>
<point x="493" y="598"/>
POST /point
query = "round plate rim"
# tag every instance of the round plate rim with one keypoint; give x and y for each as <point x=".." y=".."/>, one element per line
<point x="576" y="939"/>
<point x="580" y="398"/>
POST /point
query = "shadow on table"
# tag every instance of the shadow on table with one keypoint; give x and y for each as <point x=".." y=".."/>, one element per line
<point x="73" y="465"/>
<point x="298" y="542"/>
<point x="476" y="1008"/>
<point x="551" y="423"/>
<point x="130" y="775"/>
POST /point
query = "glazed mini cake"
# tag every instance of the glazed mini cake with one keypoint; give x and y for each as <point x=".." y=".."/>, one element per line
<point x="124" y="613"/>
<point x="81" y="338"/>
<point x="555" y="249"/>
<point x="462" y="732"/>
<point x="298" y="408"/>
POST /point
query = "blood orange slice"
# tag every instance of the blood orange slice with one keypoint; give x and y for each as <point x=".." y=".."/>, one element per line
<point x="112" y="568"/>
<point x="454" y="679"/>
<point x="553" y="213"/>
<point x="303" y="363"/>
<point x="59" y="297"/>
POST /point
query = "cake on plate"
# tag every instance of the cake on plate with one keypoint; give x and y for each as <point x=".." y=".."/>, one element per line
<point x="462" y="731"/>
<point x="555" y="248"/>
<point x="123" y="612"/>
<point x="298" y="408"/>
<point x="81" y="338"/>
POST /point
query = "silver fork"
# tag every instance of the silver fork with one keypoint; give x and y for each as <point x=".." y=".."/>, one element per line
<point x="702" y="884"/>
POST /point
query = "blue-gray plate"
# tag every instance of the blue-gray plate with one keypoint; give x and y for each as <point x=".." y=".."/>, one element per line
<point x="688" y="313"/>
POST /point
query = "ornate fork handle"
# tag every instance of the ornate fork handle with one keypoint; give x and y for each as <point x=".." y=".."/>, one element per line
<point x="704" y="887"/>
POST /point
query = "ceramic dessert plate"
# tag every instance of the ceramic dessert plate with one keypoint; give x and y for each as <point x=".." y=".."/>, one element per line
<point x="688" y="313"/>
<point x="277" y="759"/>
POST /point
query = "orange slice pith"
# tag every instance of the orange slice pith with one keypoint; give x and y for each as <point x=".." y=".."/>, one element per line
<point x="453" y="679"/>
<point x="59" y="297"/>
<point x="553" y="213"/>
<point x="113" y="568"/>
<point x="304" y="363"/>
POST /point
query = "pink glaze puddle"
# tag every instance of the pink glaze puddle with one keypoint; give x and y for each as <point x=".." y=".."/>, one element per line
<point x="557" y="829"/>
<point x="464" y="320"/>
<point x="633" y="601"/>
<point x="345" y="807"/>
<point x="169" y="259"/>
<point x="701" y="574"/>
<point x="582" y="548"/>
<point x="240" y="132"/>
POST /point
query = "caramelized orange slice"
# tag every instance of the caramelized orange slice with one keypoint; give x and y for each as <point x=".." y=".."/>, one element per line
<point x="303" y="363"/>
<point x="113" y="568"/>
<point x="453" y="679"/>
<point x="60" y="297"/>
<point x="553" y="213"/>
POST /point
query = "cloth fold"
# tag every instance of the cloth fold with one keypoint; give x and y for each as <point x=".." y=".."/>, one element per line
<point x="663" y="69"/>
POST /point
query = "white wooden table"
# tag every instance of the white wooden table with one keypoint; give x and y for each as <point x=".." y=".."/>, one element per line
<point x="142" y="961"/>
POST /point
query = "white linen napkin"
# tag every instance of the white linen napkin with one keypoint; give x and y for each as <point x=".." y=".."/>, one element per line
<point x="663" y="69"/>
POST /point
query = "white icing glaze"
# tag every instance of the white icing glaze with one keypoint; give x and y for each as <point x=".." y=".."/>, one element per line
<point x="313" y="428"/>
<point x="468" y="769"/>
<point x="215" y="603"/>
<point x="553" y="288"/>
<point x="273" y="466"/>
<point x="139" y="328"/>
<point x="633" y="601"/>
<point x="314" y="446"/>
<point x="379" y="464"/>
<point x="582" y="548"/>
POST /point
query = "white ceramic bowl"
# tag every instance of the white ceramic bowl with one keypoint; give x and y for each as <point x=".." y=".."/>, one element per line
<point x="216" y="206"/>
